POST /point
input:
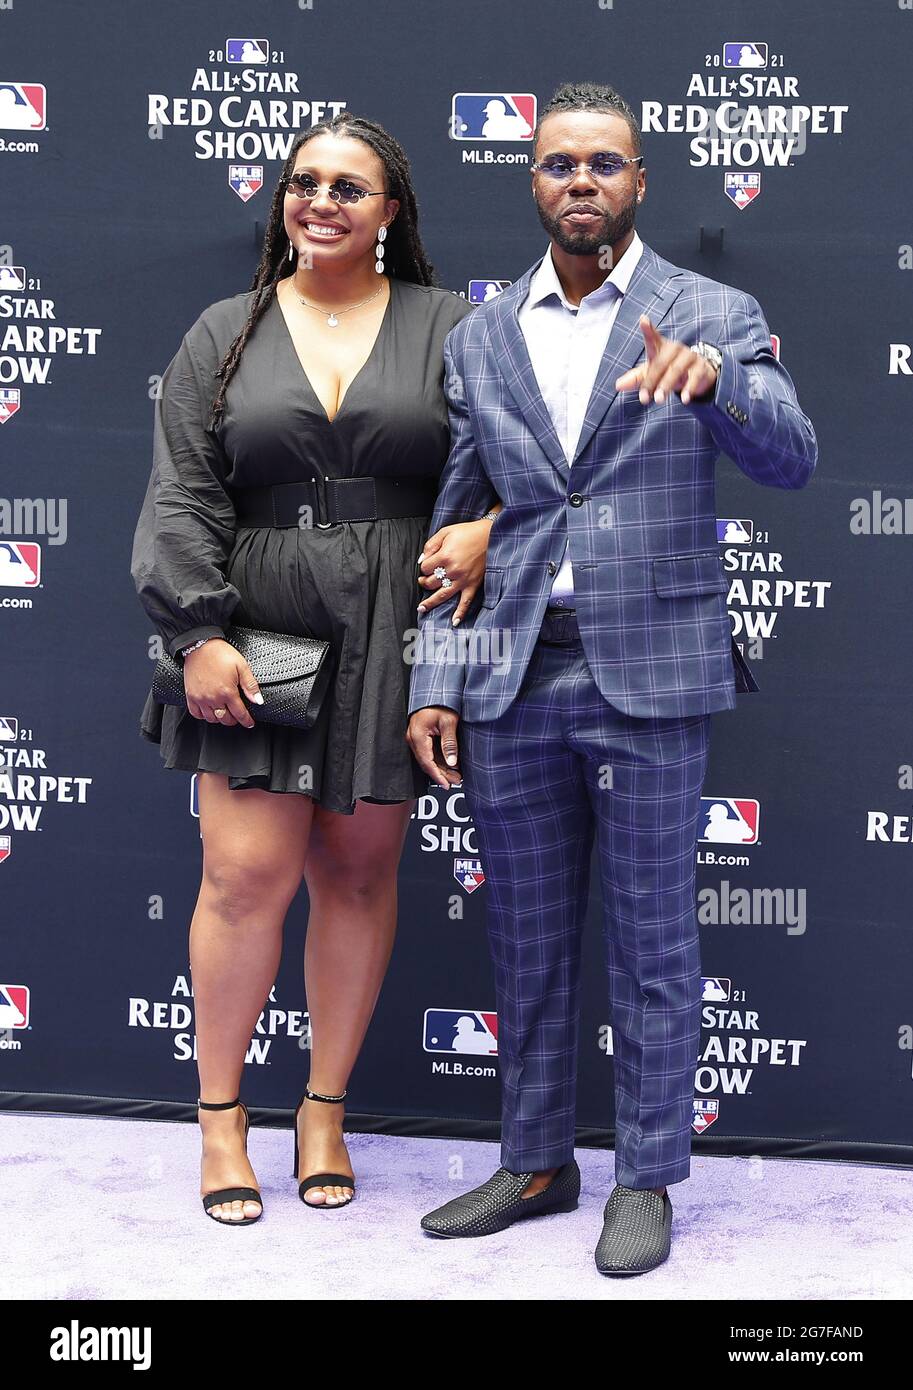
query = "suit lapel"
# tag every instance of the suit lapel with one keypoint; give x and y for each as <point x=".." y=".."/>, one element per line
<point x="514" y="363"/>
<point x="651" y="291"/>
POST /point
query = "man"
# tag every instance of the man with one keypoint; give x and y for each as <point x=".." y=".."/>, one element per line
<point x="586" y="709"/>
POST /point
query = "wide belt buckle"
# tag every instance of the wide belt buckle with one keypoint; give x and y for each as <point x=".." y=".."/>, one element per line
<point x="352" y="499"/>
<point x="320" y="497"/>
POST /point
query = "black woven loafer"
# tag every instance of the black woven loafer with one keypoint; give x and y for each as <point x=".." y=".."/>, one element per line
<point x="499" y="1202"/>
<point x="637" y="1233"/>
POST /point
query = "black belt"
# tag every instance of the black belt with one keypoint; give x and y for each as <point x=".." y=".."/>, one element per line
<point x="559" y="627"/>
<point x="332" y="500"/>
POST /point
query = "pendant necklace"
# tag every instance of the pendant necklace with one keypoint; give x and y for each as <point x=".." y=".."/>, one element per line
<point x="331" y="318"/>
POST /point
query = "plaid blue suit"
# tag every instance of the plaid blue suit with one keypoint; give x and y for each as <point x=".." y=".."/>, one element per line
<point x="607" y="734"/>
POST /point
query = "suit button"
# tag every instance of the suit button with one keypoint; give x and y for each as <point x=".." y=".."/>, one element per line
<point x="552" y="567"/>
<point x="575" y="499"/>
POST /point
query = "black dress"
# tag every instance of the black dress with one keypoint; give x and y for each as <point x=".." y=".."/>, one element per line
<point x="354" y="583"/>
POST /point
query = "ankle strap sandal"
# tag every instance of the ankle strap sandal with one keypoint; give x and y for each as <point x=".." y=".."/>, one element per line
<point x="320" y="1179"/>
<point x="227" y="1195"/>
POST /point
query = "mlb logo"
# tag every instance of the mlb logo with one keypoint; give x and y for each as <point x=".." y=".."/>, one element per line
<point x="468" y="874"/>
<point x="703" y="1114"/>
<point x="744" y="55"/>
<point x="245" y="179"/>
<point x="14" y="1006"/>
<point x="734" y="530"/>
<point x="480" y="291"/>
<point x="20" y="564"/>
<point x="729" y="821"/>
<point x="492" y="115"/>
<point x="715" y="990"/>
<point x="9" y="403"/>
<point x="742" y="188"/>
<point x="6" y="847"/>
<point x="9" y="728"/>
<point x="775" y="345"/>
<point x="247" y="50"/>
<point x="23" y="106"/>
<point x="461" y="1031"/>
<point x="12" y="279"/>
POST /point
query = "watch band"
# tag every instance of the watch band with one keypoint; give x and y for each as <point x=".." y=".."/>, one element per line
<point x="711" y="352"/>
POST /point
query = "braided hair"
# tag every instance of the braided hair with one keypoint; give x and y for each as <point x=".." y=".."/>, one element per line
<point x="405" y="255"/>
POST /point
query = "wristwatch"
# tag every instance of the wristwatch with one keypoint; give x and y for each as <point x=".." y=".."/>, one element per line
<point x="712" y="354"/>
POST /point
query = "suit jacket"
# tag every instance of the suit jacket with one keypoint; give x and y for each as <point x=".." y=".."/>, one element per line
<point x="636" y="503"/>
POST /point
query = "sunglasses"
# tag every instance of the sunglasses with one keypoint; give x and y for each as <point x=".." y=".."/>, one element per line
<point x="340" y="190"/>
<point x="561" y="169"/>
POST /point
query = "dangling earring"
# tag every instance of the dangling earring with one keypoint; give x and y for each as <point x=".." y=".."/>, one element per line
<point x="291" y="250"/>
<point x="379" y="249"/>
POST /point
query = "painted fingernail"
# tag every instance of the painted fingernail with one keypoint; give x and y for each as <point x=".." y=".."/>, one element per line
<point x="644" y="395"/>
<point x="660" y="397"/>
<point x="421" y="608"/>
<point x="455" y="622"/>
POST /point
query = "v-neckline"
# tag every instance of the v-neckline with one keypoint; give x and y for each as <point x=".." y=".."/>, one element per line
<point x="348" y="391"/>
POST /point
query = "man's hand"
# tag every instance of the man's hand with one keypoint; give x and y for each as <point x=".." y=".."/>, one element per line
<point x="670" y="366"/>
<point x="426" y="725"/>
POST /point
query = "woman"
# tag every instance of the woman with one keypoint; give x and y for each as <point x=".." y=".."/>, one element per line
<point x="330" y="367"/>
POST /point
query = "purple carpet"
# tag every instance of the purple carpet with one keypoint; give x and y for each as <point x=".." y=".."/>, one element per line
<point x="110" y="1209"/>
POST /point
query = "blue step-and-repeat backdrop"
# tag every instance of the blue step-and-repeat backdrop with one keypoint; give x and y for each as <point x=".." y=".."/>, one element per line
<point x="139" y="148"/>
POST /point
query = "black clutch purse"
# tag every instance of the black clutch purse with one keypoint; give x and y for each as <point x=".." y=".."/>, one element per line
<point x="292" y="673"/>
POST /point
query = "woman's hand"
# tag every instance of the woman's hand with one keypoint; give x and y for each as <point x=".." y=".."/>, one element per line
<point x="212" y="675"/>
<point x="460" y="549"/>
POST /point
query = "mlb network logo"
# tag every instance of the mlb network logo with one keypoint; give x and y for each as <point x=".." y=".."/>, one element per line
<point x="20" y="564"/>
<point x="729" y="821"/>
<point x="9" y="403"/>
<point x="245" y="179"/>
<point x="14" y="1006"/>
<point x="462" y="1031"/>
<point x="741" y="188"/>
<point x="468" y="874"/>
<point x="23" y="106"/>
<point x="704" y="1113"/>
<point x="492" y="115"/>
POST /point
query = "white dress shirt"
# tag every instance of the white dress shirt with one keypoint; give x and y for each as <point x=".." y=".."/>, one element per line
<point x="566" y="343"/>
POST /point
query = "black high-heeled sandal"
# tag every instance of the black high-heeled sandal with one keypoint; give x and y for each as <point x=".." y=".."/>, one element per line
<point x="320" y="1179"/>
<point x="231" y="1194"/>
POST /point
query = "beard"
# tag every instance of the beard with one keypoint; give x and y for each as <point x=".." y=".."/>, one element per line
<point x="577" y="241"/>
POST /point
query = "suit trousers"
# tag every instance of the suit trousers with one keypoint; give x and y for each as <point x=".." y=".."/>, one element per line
<point x="561" y="766"/>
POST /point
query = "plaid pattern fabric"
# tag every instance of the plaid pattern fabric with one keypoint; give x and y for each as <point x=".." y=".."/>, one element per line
<point x="636" y="503"/>
<point x="560" y="765"/>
